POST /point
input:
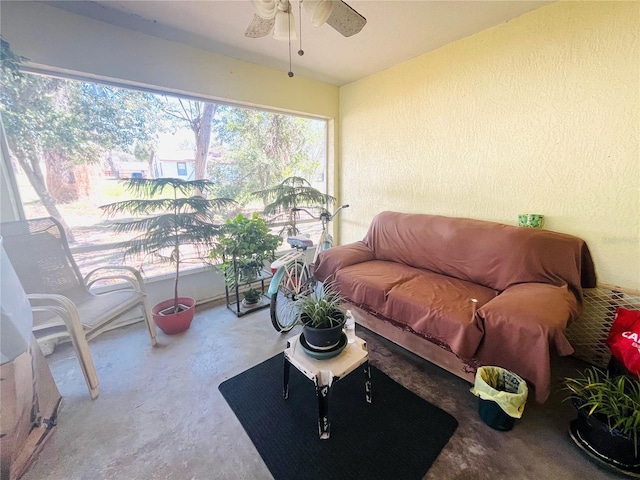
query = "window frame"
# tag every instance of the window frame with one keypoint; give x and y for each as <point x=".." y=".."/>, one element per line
<point x="13" y="191"/>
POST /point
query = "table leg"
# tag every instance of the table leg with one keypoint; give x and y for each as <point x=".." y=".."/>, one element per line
<point x="367" y="382"/>
<point x="322" y="391"/>
<point x="285" y="383"/>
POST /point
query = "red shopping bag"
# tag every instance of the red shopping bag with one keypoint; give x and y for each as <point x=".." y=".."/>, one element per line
<point x="624" y="339"/>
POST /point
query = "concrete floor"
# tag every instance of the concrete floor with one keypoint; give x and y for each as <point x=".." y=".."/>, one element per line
<point x="160" y="414"/>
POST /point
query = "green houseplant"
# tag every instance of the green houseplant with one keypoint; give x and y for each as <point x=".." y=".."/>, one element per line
<point x="167" y="223"/>
<point x="608" y="423"/>
<point x="243" y="246"/>
<point x="252" y="296"/>
<point x="291" y="193"/>
<point x="322" y="318"/>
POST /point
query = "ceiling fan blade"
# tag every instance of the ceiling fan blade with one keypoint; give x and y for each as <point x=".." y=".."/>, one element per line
<point x="259" y="27"/>
<point x="345" y="20"/>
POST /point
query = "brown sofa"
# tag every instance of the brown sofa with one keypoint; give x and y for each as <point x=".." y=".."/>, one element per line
<point x="464" y="293"/>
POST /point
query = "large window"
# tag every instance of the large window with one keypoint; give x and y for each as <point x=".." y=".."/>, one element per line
<point x="71" y="142"/>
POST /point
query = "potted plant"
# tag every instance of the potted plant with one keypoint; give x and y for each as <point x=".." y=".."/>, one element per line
<point x="608" y="423"/>
<point x="291" y="193"/>
<point x="251" y="297"/>
<point x="322" y="318"/>
<point x="168" y="223"/>
<point x="243" y="246"/>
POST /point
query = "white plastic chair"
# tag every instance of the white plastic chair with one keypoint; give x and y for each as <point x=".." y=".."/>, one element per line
<point x="61" y="298"/>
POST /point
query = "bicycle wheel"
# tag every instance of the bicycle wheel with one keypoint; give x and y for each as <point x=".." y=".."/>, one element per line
<point x="295" y="283"/>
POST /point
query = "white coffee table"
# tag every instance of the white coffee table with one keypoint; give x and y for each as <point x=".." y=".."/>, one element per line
<point x="325" y="373"/>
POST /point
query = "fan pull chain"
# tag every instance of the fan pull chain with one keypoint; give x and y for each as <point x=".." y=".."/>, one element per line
<point x="289" y="19"/>
<point x="301" y="51"/>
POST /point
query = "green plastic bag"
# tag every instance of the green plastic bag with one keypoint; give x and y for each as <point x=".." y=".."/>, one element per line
<point x="505" y="388"/>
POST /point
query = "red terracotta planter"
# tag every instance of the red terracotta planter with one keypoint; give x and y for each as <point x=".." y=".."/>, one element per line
<point x="174" y="323"/>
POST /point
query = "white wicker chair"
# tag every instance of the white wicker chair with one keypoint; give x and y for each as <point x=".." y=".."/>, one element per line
<point x="61" y="299"/>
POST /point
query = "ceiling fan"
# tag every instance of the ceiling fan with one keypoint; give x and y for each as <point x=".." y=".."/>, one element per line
<point x="278" y="13"/>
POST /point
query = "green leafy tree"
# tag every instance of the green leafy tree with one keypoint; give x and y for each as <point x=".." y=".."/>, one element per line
<point x="60" y="123"/>
<point x="199" y="117"/>
<point x="262" y="148"/>
<point x="145" y="152"/>
<point x="9" y="60"/>
<point x="28" y="117"/>
<point x="118" y="118"/>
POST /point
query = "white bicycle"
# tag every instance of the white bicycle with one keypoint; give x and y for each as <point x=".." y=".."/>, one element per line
<point x="292" y="278"/>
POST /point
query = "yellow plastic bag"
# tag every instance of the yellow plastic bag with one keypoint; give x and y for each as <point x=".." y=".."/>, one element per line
<point x="505" y="388"/>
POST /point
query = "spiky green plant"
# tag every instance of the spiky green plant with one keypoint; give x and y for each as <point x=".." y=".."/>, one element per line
<point x="291" y="193"/>
<point x="615" y="400"/>
<point x="169" y="222"/>
<point x="321" y="309"/>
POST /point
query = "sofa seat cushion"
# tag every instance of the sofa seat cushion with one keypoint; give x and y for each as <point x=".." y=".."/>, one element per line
<point x="440" y="309"/>
<point x="434" y="306"/>
<point x="369" y="283"/>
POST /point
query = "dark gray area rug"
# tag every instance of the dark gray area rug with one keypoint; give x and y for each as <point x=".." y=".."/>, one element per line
<point x="397" y="436"/>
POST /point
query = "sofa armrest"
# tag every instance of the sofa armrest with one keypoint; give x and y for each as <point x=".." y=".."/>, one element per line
<point x="522" y="326"/>
<point x="543" y="305"/>
<point x="331" y="260"/>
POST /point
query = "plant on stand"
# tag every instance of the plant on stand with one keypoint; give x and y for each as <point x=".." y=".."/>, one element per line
<point x="322" y="318"/>
<point x="167" y="224"/>
<point x="243" y="246"/>
<point x="608" y="423"/>
<point x="251" y="297"/>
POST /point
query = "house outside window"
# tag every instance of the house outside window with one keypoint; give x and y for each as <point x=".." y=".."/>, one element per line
<point x="182" y="169"/>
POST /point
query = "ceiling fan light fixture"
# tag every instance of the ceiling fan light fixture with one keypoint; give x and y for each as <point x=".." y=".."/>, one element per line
<point x="285" y="26"/>
<point x="318" y="10"/>
<point x="265" y="8"/>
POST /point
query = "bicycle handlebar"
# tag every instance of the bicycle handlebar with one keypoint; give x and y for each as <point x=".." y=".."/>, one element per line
<point x="324" y="213"/>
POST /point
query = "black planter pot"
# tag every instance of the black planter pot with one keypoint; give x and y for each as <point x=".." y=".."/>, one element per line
<point x="609" y="446"/>
<point x="323" y="338"/>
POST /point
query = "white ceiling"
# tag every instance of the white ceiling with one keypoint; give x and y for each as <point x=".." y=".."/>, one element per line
<point x="396" y="30"/>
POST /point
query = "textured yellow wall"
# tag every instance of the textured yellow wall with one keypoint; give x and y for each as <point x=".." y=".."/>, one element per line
<point x="538" y="115"/>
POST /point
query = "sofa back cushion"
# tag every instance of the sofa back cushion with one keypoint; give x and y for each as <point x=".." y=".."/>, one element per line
<point x="488" y="253"/>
